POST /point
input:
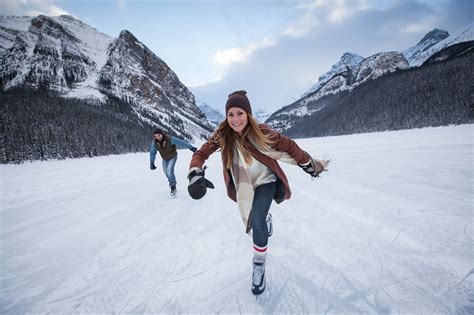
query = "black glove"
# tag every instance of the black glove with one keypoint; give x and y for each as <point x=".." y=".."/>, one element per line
<point x="310" y="169"/>
<point x="314" y="167"/>
<point x="152" y="166"/>
<point x="194" y="149"/>
<point x="198" y="184"/>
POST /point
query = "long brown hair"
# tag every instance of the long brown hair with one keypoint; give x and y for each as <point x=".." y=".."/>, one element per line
<point x="227" y="138"/>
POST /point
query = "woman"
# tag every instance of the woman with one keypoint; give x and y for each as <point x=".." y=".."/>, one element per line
<point x="251" y="172"/>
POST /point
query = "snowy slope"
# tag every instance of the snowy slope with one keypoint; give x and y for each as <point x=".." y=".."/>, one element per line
<point x="94" y="45"/>
<point x="213" y="115"/>
<point x="388" y="230"/>
<point x="429" y="40"/>
<point x="69" y="36"/>
<point x="416" y="57"/>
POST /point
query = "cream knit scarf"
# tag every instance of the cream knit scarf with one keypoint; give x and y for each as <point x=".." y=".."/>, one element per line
<point x="242" y="182"/>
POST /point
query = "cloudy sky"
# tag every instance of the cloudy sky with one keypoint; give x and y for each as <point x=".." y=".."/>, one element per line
<point x="274" y="49"/>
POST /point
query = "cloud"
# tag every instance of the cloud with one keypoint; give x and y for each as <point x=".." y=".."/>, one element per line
<point x="31" y="7"/>
<point x="338" y="10"/>
<point x="420" y="26"/>
<point x="121" y="4"/>
<point x="335" y="10"/>
<point x="228" y="56"/>
<point x="277" y="74"/>
<point x="314" y="14"/>
<point x="236" y="55"/>
<point x="301" y="27"/>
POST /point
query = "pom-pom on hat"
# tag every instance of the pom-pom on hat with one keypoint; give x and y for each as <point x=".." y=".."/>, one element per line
<point x="238" y="99"/>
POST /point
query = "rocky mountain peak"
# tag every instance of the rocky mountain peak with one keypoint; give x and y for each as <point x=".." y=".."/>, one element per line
<point x="45" y="25"/>
<point x="434" y="36"/>
<point x="379" y="64"/>
<point x="348" y="63"/>
<point x="128" y="37"/>
<point x="415" y="55"/>
<point x="350" y="59"/>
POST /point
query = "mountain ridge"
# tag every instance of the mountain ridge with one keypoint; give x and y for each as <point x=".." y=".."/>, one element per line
<point x="435" y="94"/>
<point x="81" y="73"/>
<point x="66" y="55"/>
<point x="342" y="78"/>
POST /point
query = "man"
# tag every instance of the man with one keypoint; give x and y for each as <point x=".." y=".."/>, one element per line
<point x="166" y="145"/>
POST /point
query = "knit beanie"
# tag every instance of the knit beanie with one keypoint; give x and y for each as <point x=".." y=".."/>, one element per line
<point x="238" y="99"/>
<point x="158" y="131"/>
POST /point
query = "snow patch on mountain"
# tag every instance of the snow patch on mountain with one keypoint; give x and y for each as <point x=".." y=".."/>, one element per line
<point x="380" y="64"/>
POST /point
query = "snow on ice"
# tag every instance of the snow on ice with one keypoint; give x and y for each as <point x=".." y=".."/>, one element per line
<point x="389" y="229"/>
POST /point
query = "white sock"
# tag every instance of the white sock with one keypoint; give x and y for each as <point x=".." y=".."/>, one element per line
<point x="259" y="254"/>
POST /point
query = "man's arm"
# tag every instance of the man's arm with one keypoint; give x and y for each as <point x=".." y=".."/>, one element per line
<point x="182" y="144"/>
<point x="152" y="152"/>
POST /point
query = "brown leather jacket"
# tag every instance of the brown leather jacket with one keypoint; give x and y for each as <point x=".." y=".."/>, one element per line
<point x="281" y="143"/>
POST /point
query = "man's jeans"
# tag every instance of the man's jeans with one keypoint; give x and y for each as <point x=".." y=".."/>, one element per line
<point x="168" y="169"/>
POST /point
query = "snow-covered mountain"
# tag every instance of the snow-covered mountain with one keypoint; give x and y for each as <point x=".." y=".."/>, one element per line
<point x="434" y="42"/>
<point x="68" y="56"/>
<point x="414" y="53"/>
<point x="349" y="63"/>
<point x="60" y="52"/>
<point x="378" y="65"/>
<point x="353" y="70"/>
<point x="213" y="115"/>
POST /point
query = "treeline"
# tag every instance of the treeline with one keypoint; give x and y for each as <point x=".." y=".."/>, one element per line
<point x="432" y="95"/>
<point x="41" y="125"/>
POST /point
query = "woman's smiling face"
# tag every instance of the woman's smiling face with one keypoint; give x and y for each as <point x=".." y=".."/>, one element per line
<point x="237" y="119"/>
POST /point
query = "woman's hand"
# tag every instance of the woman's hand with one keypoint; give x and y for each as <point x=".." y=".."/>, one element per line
<point x="315" y="167"/>
<point x="198" y="184"/>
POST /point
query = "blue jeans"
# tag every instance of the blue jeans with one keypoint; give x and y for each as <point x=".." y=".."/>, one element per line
<point x="262" y="200"/>
<point x="168" y="169"/>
